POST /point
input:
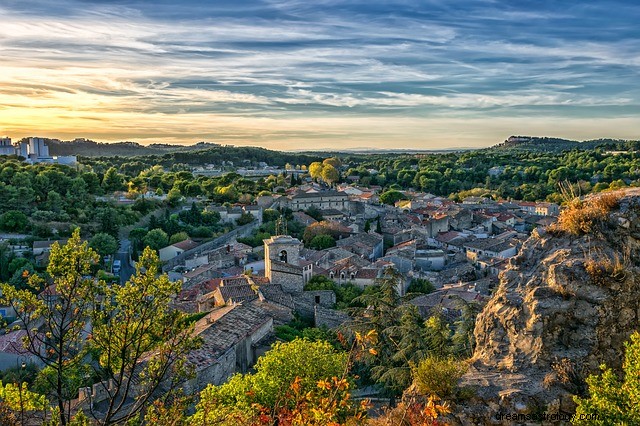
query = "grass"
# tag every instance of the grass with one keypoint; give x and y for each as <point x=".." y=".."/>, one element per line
<point x="582" y="217"/>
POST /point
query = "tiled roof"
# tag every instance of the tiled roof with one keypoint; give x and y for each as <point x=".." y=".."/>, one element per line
<point x="186" y="245"/>
<point x="222" y="329"/>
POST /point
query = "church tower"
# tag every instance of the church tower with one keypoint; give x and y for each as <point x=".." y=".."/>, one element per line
<point x="282" y="262"/>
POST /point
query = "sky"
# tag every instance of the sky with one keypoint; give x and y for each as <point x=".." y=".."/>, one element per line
<point x="321" y="74"/>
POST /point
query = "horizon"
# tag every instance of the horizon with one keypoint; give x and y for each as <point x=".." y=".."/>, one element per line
<point x="328" y="76"/>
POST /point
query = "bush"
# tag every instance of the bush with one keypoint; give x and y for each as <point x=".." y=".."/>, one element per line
<point x="584" y="216"/>
<point x="615" y="401"/>
<point x="603" y="269"/>
<point x="438" y="376"/>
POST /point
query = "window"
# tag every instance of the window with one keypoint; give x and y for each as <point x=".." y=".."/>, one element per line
<point x="317" y="300"/>
<point x="331" y="274"/>
<point x="283" y="256"/>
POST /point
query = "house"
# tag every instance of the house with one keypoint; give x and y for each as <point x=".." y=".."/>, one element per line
<point x="231" y="336"/>
<point x="320" y="200"/>
<point x="173" y="250"/>
<point x="489" y="247"/>
<point x="430" y="260"/>
<point x="368" y="245"/>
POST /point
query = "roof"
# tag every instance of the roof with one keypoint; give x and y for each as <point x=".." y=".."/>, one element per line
<point x="222" y="329"/>
<point x="445" y="237"/>
<point x="12" y="342"/>
<point x="186" y="245"/>
<point x="320" y="194"/>
<point x="237" y="293"/>
<point x="47" y="244"/>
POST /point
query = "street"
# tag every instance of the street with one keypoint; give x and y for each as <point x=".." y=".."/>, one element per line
<point x="126" y="270"/>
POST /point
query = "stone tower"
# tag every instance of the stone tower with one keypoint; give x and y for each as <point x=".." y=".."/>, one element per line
<point x="282" y="262"/>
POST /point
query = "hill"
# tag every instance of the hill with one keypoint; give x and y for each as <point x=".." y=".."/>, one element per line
<point x="89" y="148"/>
<point x="550" y="144"/>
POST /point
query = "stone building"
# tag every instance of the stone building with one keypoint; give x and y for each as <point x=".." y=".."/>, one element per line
<point x="283" y="264"/>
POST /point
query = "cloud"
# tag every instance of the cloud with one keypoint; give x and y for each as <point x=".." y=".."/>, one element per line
<point x="189" y="67"/>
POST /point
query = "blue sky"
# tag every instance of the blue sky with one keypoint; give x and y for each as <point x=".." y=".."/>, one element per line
<point x="322" y="74"/>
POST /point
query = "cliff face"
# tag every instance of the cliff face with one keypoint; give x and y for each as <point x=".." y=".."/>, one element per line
<point x="566" y="304"/>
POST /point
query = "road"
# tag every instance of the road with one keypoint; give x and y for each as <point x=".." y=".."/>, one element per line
<point x="123" y="254"/>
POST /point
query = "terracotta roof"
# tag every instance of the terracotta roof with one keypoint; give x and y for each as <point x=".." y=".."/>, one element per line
<point x="185" y="245"/>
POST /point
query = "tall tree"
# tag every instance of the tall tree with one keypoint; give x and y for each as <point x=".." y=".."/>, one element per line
<point x="55" y="321"/>
<point x="137" y="335"/>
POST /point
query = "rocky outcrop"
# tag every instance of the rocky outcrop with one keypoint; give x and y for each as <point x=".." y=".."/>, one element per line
<point x="565" y="305"/>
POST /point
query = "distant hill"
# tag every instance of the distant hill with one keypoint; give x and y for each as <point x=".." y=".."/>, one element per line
<point x="548" y="144"/>
<point x="89" y="148"/>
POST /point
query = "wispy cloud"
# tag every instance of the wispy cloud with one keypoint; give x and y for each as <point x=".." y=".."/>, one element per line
<point x="265" y="72"/>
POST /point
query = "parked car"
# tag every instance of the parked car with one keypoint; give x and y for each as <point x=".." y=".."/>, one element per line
<point x="115" y="268"/>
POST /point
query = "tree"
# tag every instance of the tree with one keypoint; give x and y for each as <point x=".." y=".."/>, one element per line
<point x="615" y="401"/>
<point x="54" y="321"/>
<point x="103" y="244"/>
<point x="136" y="334"/>
<point x="330" y="174"/>
<point x="300" y="361"/>
<point x="156" y="239"/>
<point x="244" y="219"/>
<point x="333" y="161"/>
<point x="379" y="314"/>
<point x="174" y="196"/>
<point x="112" y="181"/>
<point x="178" y="237"/>
<point x="321" y="242"/>
<point x="315" y="170"/>
<point x="13" y="221"/>
<point x="420" y="285"/>
<point x="391" y="196"/>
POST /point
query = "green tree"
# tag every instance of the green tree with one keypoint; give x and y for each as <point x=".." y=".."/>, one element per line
<point x="321" y="242"/>
<point x="104" y="244"/>
<point x="379" y="315"/>
<point x="14" y="221"/>
<point x="156" y="239"/>
<point x="615" y="401"/>
<point x="174" y="196"/>
<point x="178" y="237"/>
<point x="112" y="180"/>
<point x="54" y="321"/>
<point x="245" y="219"/>
<point x="136" y="333"/>
<point x="420" y="285"/>
<point x="391" y="196"/>
<point x="275" y="372"/>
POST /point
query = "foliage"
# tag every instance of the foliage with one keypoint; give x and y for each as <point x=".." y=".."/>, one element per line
<point x="13" y="221"/>
<point x="135" y="323"/>
<point x="245" y="218"/>
<point x="321" y="242"/>
<point x="391" y="196"/>
<point x="583" y="217"/>
<point x="439" y="376"/>
<point x="63" y="309"/>
<point x="103" y="244"/>
<point x="322" y="228"/>
<point x="156" y="239"/>
<point x="178" y="237"/>
<point x="301" y="362"/>
<point x="615" y="401"/>
<point x="421" y="286"/>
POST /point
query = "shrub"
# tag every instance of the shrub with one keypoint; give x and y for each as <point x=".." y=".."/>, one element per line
<point x="584" y="216"/>
<point x="438" y="376"/>
<point x="603" y="268"/>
